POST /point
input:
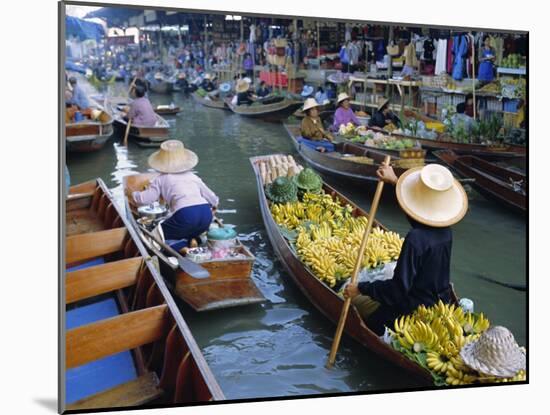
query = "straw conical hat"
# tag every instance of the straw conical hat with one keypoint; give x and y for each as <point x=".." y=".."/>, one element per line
<point x="173" y="157"/>
<point x="158" y="75"/>
<point x="310" y="103"/>
<point x="381" y="103"/>
<point x="495" y="353"/>
<point x="342" y="97"/>
<point x="431" y="195"/>
<point x="307" y="91"/>
<point x="207" y="76"/>
<point x="242" y="86"/>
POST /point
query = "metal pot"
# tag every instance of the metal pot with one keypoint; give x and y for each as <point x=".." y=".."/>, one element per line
<point x="153" y="211"/>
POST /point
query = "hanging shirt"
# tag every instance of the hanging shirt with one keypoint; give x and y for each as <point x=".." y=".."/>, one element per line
<point x="178" y="190"/>
<point x="460" y="50"/>
<point x="441" y="57"/>
<point x="141" y="113"/>
<point x="422" y="273"/>
<point x="343" y="116"/>
<point x="321" y="97"/>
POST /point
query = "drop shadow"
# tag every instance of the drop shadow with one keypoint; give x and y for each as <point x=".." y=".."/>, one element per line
<point x="48" y="403"/>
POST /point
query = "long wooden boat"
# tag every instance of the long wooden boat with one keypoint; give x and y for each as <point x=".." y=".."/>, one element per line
<point x="144" y="136"/>
<point x="210" y="103"/>
<point x="126" y="342"/>
<point x="349" y="161"/>
<point x="278" y="110"/>
<point x="229" y="284"/>
<point x="503" y="185"/>
<point x="321" y="295"/>
<point x="89" y="135"/>
<point x="161" y="87"/>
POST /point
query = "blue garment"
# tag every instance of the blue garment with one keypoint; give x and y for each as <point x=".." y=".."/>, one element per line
<point x="188" y="222"/>
<point x="79" y="98"/>
<point x="321" y="97"/>
<point x="344" y="55"/>
<point x="460" y="49"/>
<point x="486" y="67"/>
<point x="328" y="146"/>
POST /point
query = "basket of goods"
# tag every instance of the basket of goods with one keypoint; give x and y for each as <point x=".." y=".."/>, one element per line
<point x="458" y="347"/>
<point x="308" y="181"/>
<point x="282" y="190"/>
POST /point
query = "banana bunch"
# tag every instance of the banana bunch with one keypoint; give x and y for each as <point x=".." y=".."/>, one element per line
<point x="418" y="336"/>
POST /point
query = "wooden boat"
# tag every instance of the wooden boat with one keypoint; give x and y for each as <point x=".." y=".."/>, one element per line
<point x="498" y="183"/>
<point x="413" y="152"/>
<point x="230" y="283"/>
<point x="161" y="86"/>
<point x="144" y="136"/>
<point x="167" y="110"/>
<point x="89" y="135"/>
<point x="98" y="83"/>
<point x="126" y="343"/>
<point x="322" y="296"/>
<point x="349" y="161"/>
<point x="274" y="111"/>
<point x="210" y="103"/>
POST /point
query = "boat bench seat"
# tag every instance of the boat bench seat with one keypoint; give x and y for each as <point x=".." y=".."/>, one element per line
<point x="137" y="392"/>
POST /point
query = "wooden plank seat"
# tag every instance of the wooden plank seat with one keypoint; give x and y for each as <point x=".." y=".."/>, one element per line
<point x="93" y="245"/>
<point x="79" y="221"/>
<point x="139" y="391"/>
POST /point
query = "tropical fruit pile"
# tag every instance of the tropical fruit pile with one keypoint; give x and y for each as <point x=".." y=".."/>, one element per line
<point x="327" y="236"/>
<point x="277" y="166"/>
<point x="433" y="337"/>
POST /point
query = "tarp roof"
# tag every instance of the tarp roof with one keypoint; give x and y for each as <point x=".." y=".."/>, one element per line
<point x="83" y="29"/>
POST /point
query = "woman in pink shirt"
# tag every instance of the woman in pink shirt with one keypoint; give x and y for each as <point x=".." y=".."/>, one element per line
<point x="189" y="199"/>
<point x="141" y="111"/>
<point x="344" y="114"/>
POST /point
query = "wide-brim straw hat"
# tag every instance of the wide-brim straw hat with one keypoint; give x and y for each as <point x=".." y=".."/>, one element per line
<point x="242" y="86"/>
<point x="158" y="75"/>
<point x="495" y="353"/>
<point x="309" y="104"/>
<point x="173" y="157"/>
<point x="432" y="196"/>
<point x="381" y="103"/>
<point x="207" y="76"/>
<point x="342" y="97"/>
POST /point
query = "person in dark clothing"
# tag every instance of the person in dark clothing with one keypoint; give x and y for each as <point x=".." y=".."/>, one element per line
<point x="244" y="95"/>
<point x="433" y="201"/>
<point x="263" y="90"/>
<point x="384" y="116"/>
<point x="466" y="107"/>
<point x="207" y="83"/>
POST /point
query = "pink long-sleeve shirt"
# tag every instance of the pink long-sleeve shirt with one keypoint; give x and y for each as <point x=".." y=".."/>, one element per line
<point x="142" y="113"/>
<point x="178" y="190"/>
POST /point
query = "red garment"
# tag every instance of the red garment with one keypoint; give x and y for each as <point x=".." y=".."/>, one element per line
<point x="449" y="55"/>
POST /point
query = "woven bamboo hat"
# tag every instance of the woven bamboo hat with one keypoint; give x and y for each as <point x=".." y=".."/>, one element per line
<point x="207" y="76"/>
<point x="158" y="76"/>
<point x="432" y="196"/>
<point x="342" y="97"/>
<point x="173" y="157"/>
<point x="495" y="353"/>
<point x="242" y="86"/>
<point x="381" y="103"/>
<point x="309" y="104"/>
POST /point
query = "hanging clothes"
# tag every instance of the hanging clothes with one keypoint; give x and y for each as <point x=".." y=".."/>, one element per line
<point x="449" y="62"/>
<point x="441" y="57"/>
<point x="429" y="50"/>
<point x="460" y="50"/>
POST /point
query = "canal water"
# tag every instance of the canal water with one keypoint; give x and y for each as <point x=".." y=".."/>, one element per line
<point x="280" y="348"/>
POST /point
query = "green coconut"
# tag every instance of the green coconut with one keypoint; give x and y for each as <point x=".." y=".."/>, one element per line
<point x="282" y="190"/>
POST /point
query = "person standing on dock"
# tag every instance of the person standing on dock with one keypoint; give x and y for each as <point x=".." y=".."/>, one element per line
<point x="312" y="131"/>
<point x="433" y="201"/>
<point x="141" y="111"/>
<point x="191" y="202"/>
<point x="78" y="97"/>
<point x="344" y="114"/>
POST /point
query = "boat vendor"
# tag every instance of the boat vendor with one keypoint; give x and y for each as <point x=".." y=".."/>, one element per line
<point x="244" y="95"/>
<point x="188" y="198"/>
<point x="312" y="131"/>
<point x="78" y="97"/>
<point x="433" y="202"/>
<point x="384" y="116"/>
<point x="344" y="114"/>
<point x="466" y="107"/>
<point x="207" y="83"/>
<point x="141" y="111"/>
<point x="262" y="90"/>
<point x="486" y="67"/>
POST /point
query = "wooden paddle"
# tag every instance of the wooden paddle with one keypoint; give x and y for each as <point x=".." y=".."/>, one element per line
<point x="188" y="266"/>
<point x="126" y="133"/>
<point x="347" y="302"/>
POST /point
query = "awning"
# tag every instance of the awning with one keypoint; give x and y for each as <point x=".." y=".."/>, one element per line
<point x="83" y="29"/>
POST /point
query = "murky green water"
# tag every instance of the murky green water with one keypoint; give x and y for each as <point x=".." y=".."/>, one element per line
<point x="280" y="348"/>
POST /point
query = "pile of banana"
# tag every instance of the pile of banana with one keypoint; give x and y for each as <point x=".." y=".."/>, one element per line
<point x="435" y="335"/>
<point x="328" y="237"/>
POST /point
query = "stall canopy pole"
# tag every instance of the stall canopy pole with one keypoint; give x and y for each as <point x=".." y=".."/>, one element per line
<point x="318" y="42"/>
<point x="205" y="42"/>
<point x="296" y="54"/>
<point x="390" y="63"/>
<point x="473" y="74"/>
